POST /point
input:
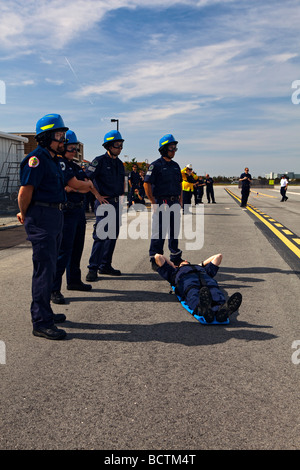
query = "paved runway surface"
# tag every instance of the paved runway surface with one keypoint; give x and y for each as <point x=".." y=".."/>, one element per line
<point x="137" y="371"/>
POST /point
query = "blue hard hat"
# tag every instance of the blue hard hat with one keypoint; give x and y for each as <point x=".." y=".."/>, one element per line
<point x="167" y="139"/>
<point x="50" y="122"/>
<point x="112" y="136"/>
<point x="71" y="138"/>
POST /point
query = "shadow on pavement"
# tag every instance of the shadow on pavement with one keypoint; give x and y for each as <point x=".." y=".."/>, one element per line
<point x="186" y="333"/>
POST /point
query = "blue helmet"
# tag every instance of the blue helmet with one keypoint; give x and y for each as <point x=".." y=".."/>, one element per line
<point x="167" y="139"/>
<point x="71" y="138"/>
<point x="112" y="136"/>
<point x="50" y="122"/>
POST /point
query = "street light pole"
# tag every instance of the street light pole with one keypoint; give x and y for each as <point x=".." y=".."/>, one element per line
<point x="117" y="121"/>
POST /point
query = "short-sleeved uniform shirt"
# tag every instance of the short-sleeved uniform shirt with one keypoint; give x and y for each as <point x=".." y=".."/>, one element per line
<point x="107" y="174"/>
<point x="209" y="182"/>
<point x="165" y="178"/>
<point x="172" y="275"/>
<point x="134" y="179"/>
<point x="42" y="171"/>
<point x="245" y="183"/>
<point x="70" y="170"/>
<point x="283" y="182"/>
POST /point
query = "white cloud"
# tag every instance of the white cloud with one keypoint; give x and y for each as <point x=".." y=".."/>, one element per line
<point x="225" y="69"/>
<point x="53" y="81"/>
<point x="158" y="113"/>
<point x="54" y="23"/>
<point x="196" y="70"/>
<point x="12" y="25"/>
<point x="28" y="82"/>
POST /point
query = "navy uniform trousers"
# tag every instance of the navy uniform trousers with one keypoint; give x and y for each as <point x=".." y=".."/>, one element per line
<point x="71" y="247"/>
<point x="103" y="246"/>
<point x="43" y="226"/>
<point x="245" y="194"/>
<point x="166" y="217"/>
<point x="188" y="280"/>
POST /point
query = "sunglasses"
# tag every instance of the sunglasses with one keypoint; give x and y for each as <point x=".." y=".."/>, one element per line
<point x="172" y="148"/>
<point x="117" y="145"/>
<point x="58" y="136"/>
<point x="74" y="149"/>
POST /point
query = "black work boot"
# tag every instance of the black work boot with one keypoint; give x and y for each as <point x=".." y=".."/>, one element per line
<point x="91" y="275"/>
<point x="79" y="286"/>
<point x="49" y="333"/>
<point x="204" y="306"/>
<point x="231" y="306"/>
<point x="154" y="266"/>
<point x="110" y="271"/>
<point x="57" y="297"/>
<point x="177" y="260"/>
<point x="59" y="317"/>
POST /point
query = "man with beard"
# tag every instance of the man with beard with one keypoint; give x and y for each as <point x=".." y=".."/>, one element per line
<point x="41" y="198"/>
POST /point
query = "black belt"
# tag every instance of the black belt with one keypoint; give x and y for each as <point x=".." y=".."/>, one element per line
<point x="170" y="198"/>
<point x="55" y="205"/>
<point x="113" y="199"/>
<point x="72" y="205"/>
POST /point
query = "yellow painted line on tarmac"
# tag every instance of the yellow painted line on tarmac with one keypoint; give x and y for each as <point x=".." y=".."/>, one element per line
<point x="261" y="194"/>
<point x="285" y="235"/>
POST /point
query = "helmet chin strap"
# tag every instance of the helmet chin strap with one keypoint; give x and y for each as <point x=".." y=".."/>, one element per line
<point x="48" y="147"/>
<point x="112" y="153"/>
<point x="53" y="139"/>
<point x="165" y="154"/>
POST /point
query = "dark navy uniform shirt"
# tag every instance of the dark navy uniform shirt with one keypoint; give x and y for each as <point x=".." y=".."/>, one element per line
<point x="245" y="183"/>
<point x="107" y="174"/>
<point x="42" y="171"/>
<point x="70" y="170"/>
<point x="165" y="178"/>
<point x="209" y="182"/>
<point x="134" y="179"/>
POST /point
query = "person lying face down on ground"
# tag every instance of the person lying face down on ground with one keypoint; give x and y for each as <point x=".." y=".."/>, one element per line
<point x="195" y="285"/>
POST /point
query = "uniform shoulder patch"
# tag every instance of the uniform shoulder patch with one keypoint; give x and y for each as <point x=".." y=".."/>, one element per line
<point x="33" y="162"/>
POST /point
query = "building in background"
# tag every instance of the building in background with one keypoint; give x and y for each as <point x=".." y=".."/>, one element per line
<point x="32" y="143"/>
<point x="12" y="148"/>
<point x="290" y="174"/>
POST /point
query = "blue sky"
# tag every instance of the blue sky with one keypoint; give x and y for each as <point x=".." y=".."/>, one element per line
<point x="218" y="75"/>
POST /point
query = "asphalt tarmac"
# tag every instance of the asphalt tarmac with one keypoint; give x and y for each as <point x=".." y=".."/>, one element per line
<point x="137" y="371"/>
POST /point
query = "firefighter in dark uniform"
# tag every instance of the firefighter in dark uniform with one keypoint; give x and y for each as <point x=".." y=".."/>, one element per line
<point x="210" y="189"/>
<point x="74" y="225"/>
<point x="246" y="179"/>
<point x="163" y="188"/>
<point x="199" y="190"/>
<point x="134" y="181"/>
<point x="40" y="200"/>
<point x="195" y="285"/>
<point x="108" y="175"/>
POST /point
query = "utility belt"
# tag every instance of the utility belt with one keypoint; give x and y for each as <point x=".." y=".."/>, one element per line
<point x="195" y="269"/>
<point x="168" y="198"/>
<point x="72" y="205"/>
<point x="113" y="199"/>
<point x="54" y="205"/>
